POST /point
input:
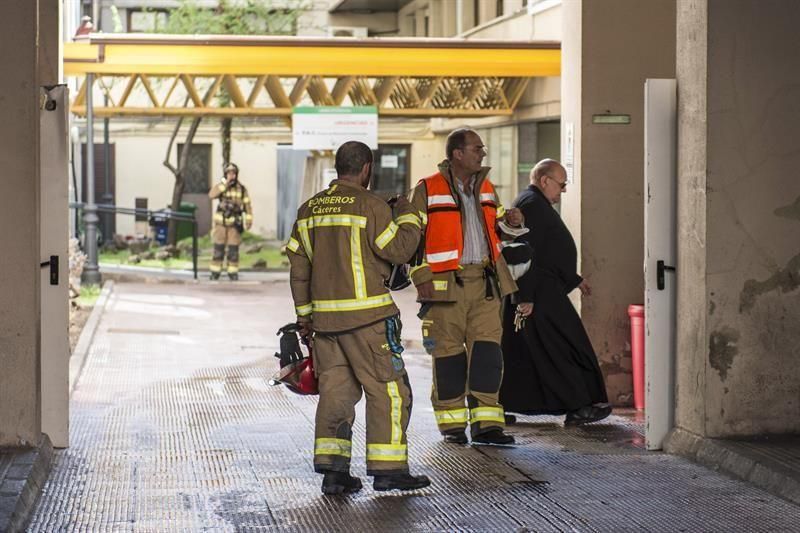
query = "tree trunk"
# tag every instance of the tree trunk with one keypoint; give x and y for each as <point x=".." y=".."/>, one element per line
<point x="226" y="139"/>
<point x="179" y="172"/>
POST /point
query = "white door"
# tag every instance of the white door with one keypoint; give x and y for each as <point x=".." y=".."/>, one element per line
<point x="660" y="187"/>
<point x="54" y="229"/>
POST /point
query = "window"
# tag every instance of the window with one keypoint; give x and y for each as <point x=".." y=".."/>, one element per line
<point x="499" y="9"/>
<point x="500" y="156"/>
<point x="198" y="173"/>
<point x="147" y="20"/>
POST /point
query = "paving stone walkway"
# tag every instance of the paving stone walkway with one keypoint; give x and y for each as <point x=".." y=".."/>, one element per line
<point x="174" y="427"/>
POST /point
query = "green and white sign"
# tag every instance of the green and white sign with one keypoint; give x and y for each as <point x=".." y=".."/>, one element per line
<point x="327" y="128"/>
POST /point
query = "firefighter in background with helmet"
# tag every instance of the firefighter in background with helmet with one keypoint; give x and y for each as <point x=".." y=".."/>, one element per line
<point x="461" y="281"/>
<point x="234" y="214"/>
<point x="340" y="251"/>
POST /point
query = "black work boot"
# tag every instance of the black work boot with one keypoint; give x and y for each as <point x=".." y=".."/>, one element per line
<point x="457" y="436"/>
<point x="400" y="482"/>
<point x="587" y="414"/>
<point x="494" y="436"/>
<point x="234" y="276"/>
<point x="340" y="483"/>
<point x="214" y="276"/>
<point x="510" y="419"/>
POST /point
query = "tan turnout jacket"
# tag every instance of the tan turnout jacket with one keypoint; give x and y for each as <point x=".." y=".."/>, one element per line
<point x="340" y="252"/>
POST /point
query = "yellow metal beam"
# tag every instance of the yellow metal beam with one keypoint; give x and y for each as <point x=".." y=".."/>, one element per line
<point x="402" y="77"/>
<point x="204" y="55"/>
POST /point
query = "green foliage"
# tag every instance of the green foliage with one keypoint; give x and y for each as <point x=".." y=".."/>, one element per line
<point x="89" y="295"/>
<point x="231" y="17"/>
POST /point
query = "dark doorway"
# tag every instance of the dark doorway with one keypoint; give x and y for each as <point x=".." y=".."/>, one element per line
<point x="105" y="187"/>
<point x="392" y="169"/>
<point x="198" y="183"/>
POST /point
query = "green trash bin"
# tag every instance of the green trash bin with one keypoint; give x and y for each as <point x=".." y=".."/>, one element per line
<point x="185" y="228"/>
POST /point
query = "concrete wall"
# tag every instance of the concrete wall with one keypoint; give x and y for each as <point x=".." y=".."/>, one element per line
<point x="20" y="394"/>
<point x="621" y="43"/>
<point x="742" y="351"/>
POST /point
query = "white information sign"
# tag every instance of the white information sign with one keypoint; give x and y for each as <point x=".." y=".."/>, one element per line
<point x="568" y="157"/>
<point x="327" y="128"/>
<point x="389" y="161"/>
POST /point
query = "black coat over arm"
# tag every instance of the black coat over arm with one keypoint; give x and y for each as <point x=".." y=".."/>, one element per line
<point x="550" y="366"/>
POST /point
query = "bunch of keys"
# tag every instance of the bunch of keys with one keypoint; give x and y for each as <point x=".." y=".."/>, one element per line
<point x="519" y="320"/>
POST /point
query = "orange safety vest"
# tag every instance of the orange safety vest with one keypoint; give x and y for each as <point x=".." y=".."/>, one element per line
<point x="444" y="237"/>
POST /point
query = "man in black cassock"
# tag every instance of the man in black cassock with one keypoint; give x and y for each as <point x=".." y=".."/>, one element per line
<point x="550" y="365"/>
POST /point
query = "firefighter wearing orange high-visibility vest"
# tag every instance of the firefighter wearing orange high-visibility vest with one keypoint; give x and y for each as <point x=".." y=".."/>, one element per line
<point x="234" y="214"/>
<point x="341" y="248"/>
<point x="461" y="279"/>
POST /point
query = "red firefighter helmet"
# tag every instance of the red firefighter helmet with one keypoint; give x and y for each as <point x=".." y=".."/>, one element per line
<point x="297" y="369"/>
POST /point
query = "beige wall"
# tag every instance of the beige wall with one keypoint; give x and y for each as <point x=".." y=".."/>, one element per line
<point x="621" y="43"/>
<point x="739" y="246"/>
<point x="140" y="172"/>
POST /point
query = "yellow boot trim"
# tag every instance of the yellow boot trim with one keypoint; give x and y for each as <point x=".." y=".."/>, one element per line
<point x="332" y="447"/>
<point x="451" y="416"/>
<point x="487" y="414"/>
<point x="387" y="452"/>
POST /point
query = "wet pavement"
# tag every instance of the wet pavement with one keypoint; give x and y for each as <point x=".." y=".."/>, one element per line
<point x="174" y="427"/>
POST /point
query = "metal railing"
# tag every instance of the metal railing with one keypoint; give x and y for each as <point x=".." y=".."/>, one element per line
<point x="167" y="214"/>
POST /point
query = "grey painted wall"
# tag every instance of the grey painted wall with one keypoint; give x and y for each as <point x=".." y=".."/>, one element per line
<point x="739" y="296"/>
<point x="753" y="213"/>
<point x="19" y="283"/>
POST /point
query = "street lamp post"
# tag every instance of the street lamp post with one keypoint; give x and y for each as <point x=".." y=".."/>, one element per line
<point x="91" y="270"/>
<point x="107" y="198"/>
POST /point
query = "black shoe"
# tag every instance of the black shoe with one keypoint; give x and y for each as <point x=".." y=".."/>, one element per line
<point x="456" y="437"/>
<point x="400" y="482"/>
<point x="214" y="276"/>
<point x="233" y="276"/>
<point x="340" y="483"/>
<point x="511" y="420"/>
<point x="586" y="415"/>
<point x="495" y="436"/>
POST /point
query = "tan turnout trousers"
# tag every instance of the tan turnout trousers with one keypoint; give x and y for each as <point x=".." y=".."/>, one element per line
<point x="223" y="236"/>
<point x="464" y="339"/>
<point x="367" y="358"/>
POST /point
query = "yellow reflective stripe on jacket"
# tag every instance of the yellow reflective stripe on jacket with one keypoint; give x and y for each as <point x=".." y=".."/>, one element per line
<point x="318" y="221"/>
<point x="357" y="263"/>
<point x="396" y="402"/>
<point x="304" y="310"/>
<point x="332" y="447"/>
<point x="387" y="235"/>
<point x="440" y="284"/>
<point x="414" y="269"/>
<point x="451" y="416"/>
<point x="221" y="187"/>
<point x="501" y="211"/>
<point x="306" y="238"/>
<point x="487" y="414"/>
<point x="409" y="218"/>
<point x="356" y="304"/>
<point x="218" y="218"/>
<point x="304" y="224"/>
<point x="387" y="452"/>
<point x="293" y="245"/>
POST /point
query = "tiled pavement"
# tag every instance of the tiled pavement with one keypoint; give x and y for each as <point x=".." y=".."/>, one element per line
<point x="175" y="428"/>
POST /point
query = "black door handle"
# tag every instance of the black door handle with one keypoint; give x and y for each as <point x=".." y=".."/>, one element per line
<point x="660" y="268"/>
<point x="53" y="264"/>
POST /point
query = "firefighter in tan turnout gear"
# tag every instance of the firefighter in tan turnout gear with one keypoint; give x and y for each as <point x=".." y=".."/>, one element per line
<point x="234" y="214"/>
<point x="461" y="281"/>
<point x="340" y="252"/>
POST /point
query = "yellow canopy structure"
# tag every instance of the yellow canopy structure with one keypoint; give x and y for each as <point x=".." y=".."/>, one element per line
<point x="160" y="75"/>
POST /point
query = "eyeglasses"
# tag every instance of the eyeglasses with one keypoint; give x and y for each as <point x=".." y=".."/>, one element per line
<point x="562" y="184"/>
